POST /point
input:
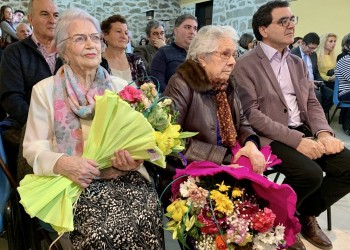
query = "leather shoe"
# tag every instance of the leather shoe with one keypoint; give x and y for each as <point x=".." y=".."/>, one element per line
<point x="313" y="233"/>
<point x="298" y="244"/>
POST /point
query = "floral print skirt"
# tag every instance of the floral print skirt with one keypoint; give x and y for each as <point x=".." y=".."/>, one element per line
<point x="122" y="213"/>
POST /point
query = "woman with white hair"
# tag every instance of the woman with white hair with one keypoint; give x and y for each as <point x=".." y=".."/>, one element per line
<point x="118" y="208"/>
<point x="204" y="94"/>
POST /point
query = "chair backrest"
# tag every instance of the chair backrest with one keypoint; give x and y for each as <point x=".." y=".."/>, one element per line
<point x="5" y="187"/>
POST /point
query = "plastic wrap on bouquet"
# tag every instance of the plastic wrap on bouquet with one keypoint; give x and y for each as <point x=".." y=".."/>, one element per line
<point x="116" y="125"/>
<point x="281" y="198"/>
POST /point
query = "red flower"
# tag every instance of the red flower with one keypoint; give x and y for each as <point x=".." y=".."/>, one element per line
<point x="131" y="94"/>
<point x="207" y="218"/>
<point x="263" y="220"/>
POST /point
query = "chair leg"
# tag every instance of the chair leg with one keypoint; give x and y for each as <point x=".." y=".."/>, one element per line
<point x="334" y="112"/>
<point x="329" y="219"/>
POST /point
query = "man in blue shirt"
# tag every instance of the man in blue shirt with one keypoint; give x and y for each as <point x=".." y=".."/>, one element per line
<point x="168" y="58"/>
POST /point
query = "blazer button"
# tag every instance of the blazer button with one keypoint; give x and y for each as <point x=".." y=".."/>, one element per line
<point x="285" y="110"/>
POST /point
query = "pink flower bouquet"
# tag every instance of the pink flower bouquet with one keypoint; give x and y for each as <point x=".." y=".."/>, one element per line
<point x="218" y="207"/>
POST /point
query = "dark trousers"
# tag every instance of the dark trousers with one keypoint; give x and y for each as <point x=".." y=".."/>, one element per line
<point x="315" y="193"/>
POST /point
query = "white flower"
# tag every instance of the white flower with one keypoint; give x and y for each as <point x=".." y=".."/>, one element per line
<point x="186" y="186"/>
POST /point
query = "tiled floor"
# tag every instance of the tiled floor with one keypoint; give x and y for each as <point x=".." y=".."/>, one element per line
<point x="339" y="235"/>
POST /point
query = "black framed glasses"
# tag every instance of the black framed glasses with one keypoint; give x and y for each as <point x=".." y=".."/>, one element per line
<point x="312" y="48"/>
<point x="82" y="38"/>
<point x="226" y="55"/>
<point x="286" y="21"/>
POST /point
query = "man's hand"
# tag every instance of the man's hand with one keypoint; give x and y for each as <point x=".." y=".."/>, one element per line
<point x="331" y="144"/>
<point x="311" y="148"/>
<point x="158" y="43"/>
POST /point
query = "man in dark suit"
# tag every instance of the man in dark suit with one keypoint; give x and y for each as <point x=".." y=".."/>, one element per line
<point x="156" y="39"/>
<point x="280" y="103"/>
<point x="306" y="51"/>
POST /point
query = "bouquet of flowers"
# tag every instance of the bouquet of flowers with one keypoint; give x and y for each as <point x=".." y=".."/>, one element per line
<point x="168" y="134"/>
<point x="217" y="207"/>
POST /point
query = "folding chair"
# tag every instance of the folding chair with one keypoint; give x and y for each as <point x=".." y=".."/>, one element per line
<point x="337" y="103"/>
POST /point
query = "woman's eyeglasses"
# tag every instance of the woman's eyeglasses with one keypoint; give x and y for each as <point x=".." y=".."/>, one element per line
<point x="82" y="38"/>
<point x="226" y="55"/>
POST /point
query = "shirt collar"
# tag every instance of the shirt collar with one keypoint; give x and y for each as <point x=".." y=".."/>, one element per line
<point x="273" y="53"/>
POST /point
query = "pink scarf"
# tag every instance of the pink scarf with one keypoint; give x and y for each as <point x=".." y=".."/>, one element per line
<point x="71" y="102"/>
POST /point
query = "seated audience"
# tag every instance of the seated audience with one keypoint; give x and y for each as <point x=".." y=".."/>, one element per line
<point x="19" y="73"/>
<point x="156" y="39"/>
<point x="326" y="58"/>
<point x="342" y="72"/>
<point x="343" y="41"/>
<point x="18" y="16"/>
<point x="127" y="66"/>
<point x="245" y="42"/>
<point x="8" y="31"/>
<point x="143" y="41"/>
<point x="118" y="208"/>
<point x="23" y="31"/>
<point x="297" y="41"/>
<point x="168" y="58"/>
<point x="205" y="96"/>
<point x="306" y="51"/>
<point x="280" y="104"/>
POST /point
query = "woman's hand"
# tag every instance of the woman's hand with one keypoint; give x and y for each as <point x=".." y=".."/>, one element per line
<point x="80" y="170"/>
<point x="124" y="162"/>
<point x="255" y="156"/>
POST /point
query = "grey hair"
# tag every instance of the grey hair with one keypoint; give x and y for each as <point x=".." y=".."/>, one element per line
<point x="152" y="24"/>
<point x="64" y="22"/>
<point x="207" y="40"/>
<point x="30" y="7"/>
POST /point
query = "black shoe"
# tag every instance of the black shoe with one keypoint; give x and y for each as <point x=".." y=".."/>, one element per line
<point x="313" y="233"/>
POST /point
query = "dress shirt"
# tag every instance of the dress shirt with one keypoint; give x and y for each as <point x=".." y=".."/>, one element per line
<point x="279" y="65"/>
<point x="307" y="60"/>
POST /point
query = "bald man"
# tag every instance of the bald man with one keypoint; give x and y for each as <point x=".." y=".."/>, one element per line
<point x="23" y="31"/>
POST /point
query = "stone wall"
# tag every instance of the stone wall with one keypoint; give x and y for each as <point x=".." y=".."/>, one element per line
<point x="133" y="10"/>
<point x="237" y="13"/>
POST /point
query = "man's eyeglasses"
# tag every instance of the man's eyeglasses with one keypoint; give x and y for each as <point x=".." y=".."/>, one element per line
<point x="286" y="21"/>
<point x="312" y="48"/>
<point x="82" y="38"/>
<point x="158" y="34"/>
<point x="226" y="55"/>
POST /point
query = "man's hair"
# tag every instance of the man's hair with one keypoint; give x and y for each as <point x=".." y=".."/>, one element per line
<point x="184" y="17"/>
<point x="311" y="38"/>
<point x="263" y="17"/>
<point x="19" y="11"/>
<point x="152" y="24"/>
<point x="30" y="7"/>
<point x="106" y="24"/>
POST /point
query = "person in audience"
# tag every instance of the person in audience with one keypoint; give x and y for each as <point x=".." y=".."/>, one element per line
<point x="342" y="72"/>
<point x="8" y="31"/>
<point x="279" y="101"/>
<point x="246" y="42"/>
<point x="156" y="39"/>
<point x="118" y="208"/>
<point x="206" y="98"/>
<point x="326" y="58"/>
<point x="117" y="62"/>
<point x="168" y="58"/>
<point x="18" y="16"/>
<point x="143" y="41"/>
<point x="296" y="42"/>
<point x="306" y="51"/>
<point x="24" y="64"/>
<point x="23" y="31"/>
<point x="343" y="53"/>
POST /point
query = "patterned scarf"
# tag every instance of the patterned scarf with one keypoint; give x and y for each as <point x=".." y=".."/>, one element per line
<point x="227" y="129"/>
<point x="71" y="102"/>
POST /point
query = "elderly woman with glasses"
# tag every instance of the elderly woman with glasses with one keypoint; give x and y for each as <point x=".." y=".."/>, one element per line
<point x="118" y="208"/>
<point x="204" y="94"/>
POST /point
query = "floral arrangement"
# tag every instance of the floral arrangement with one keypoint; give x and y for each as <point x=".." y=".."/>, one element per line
<point x="222" y="213"/>
<point x="158" y="112"/>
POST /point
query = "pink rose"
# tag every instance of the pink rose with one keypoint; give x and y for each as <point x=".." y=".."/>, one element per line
<point x="131" y="94"/>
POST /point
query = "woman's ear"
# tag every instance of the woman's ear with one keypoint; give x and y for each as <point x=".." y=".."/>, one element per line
<point x="202" y="61"/>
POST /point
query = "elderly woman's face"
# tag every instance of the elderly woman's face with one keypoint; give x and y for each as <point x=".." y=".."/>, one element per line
<point x="118" y="35"/>
<point x="219" y="64"/>
<point x="83" y="49"/>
